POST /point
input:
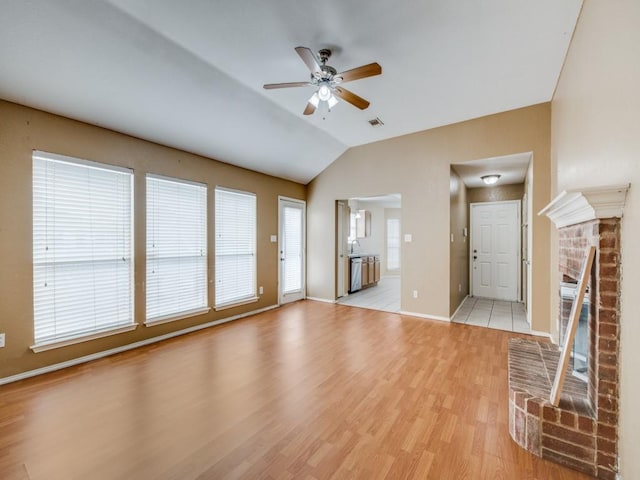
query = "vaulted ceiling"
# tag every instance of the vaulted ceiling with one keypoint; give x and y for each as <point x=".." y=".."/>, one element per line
<point x="190" y="74"/>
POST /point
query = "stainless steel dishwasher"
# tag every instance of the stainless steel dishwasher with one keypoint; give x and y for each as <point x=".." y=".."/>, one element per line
<point x="356" y="274"/>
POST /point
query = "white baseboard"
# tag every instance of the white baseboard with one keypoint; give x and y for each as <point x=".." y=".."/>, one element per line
<point x="324" y="300"/>
<point x="542" y="334"/>
<point x="130" y="346"/>
<point x="459" y="307"/>
<point x="422" y="315"/>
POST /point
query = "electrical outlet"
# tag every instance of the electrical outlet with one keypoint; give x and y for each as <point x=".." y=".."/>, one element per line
<point x="261" y="290"/>
<point x="1" y="340"/>
<point x="415" y="294"/>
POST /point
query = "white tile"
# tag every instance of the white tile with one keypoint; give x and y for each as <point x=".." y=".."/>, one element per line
<point x="477" y="321"/>
<point x="521" y="327"/>
<point x="501" y="324"/>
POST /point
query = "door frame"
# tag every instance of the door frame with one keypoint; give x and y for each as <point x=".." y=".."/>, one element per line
<point x="303" y="290"/>
<point x="342" y="262"/>
<point x="518" y="229"/>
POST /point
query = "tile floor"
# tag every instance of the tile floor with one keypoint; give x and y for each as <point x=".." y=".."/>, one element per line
<point x="498" y="314"/>
<point x="385" y="296"/>
<point x="482" y="312"/>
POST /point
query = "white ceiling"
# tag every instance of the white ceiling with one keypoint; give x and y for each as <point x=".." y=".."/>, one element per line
<point x="511" y="168"/>
<point x="190" y="74"/>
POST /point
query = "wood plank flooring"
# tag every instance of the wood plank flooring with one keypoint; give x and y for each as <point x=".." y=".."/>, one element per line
<point x="307" y="391"/>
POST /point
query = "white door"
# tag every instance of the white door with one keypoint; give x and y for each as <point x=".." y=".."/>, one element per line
<point x="341" y="245"/>
<point x="291" y="250"/>
<point x="495" y="239"/>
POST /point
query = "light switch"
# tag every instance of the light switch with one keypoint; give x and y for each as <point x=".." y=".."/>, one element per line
<point x="274" y="238"/>
<point x="408" y="237"/>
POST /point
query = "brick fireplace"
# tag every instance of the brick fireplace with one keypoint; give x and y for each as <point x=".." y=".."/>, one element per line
<point x="582" y="431"/>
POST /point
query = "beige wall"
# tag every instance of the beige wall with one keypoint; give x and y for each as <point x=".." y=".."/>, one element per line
<point x="23" y="130"/>
<point x="596" y="141"/>
<point x="498" y="193"/>
<point x="418" y="167"/>
<point x="459" y="246"/>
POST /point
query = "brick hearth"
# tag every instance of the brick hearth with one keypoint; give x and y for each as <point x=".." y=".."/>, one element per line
<point x="582" y="432"/>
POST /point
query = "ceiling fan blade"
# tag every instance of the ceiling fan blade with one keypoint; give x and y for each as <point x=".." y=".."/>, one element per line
<point x="309" y="59"/>
<point x="309" y="109"/>
<point x="270" y="86"/>
<point x="360" y="72"/>
<point x="351" y="97"/>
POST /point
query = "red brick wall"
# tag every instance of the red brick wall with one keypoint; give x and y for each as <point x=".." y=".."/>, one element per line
<point x="604" y="330"/>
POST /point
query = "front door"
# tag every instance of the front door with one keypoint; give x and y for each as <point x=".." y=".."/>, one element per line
<point x="291" y="249"/>
<point x="495" y="244"/>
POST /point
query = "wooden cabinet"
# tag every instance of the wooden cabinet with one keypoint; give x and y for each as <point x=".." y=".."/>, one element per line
<point x="363" y="223"/>
<point x="376" y="269"/>
<point x="365" y="272"/>
<point x="371" y="269"/>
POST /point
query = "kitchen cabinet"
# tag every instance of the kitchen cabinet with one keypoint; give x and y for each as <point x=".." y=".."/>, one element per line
<point x="365" y="272"/>
<point x="363" y="223"/>
<point x="371" y="269"/>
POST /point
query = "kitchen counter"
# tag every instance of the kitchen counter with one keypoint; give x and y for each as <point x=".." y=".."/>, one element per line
<point x="364" y="271"/>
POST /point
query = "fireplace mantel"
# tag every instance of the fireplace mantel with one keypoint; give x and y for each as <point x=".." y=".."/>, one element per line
<point x="576" y="206"/>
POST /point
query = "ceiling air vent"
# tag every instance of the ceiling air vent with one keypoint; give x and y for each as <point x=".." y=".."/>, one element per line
<point x="376" y="122"/>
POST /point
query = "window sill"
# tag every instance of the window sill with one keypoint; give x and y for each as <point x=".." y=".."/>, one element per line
<point x="245" y="301"/>
<point x="43" y="347"/>
<point x="176" y="316"/>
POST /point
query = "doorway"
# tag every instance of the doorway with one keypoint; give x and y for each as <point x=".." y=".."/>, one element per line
<point x="495" y="250"/>
<point x="368" y="252"/>
<point x="291" y="249"/>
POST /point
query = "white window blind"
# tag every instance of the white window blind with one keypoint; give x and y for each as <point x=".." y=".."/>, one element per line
<point x="176" y="248"/>
<point x="235" y="246"/>
<point x="393" y="243"/>
<point x="82" y="248"/>
<point x="292" y="249"/>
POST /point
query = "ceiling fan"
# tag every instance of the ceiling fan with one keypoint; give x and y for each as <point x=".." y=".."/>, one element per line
<point x="328" y="81"/>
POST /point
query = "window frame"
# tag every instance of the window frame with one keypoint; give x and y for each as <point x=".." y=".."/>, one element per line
<point x="389" y="247"/>
<point x="182" y="314"/>
<point x="89" y="334"/>
<point x="253" y="296"/>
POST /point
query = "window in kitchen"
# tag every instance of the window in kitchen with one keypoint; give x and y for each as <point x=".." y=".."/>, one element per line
<point x="393" y="243"/>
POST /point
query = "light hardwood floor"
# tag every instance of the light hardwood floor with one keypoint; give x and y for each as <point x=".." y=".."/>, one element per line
<point x="307" y="391"/>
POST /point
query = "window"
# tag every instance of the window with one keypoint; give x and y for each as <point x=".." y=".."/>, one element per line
<point x="82" y="249"/>
<point x="235" y="247"/>
<point x="393" y="243"/>
<point x="176" y="249"/>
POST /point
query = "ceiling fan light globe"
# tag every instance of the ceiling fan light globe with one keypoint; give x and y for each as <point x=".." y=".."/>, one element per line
<point x="333" y="101"/>
<point x="314" y="100"/>
<point x="324" y="93"/>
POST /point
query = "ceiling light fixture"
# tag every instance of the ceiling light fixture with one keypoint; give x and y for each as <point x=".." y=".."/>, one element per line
<point x="490" y="179"/>
<point x="324" y="94"/>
